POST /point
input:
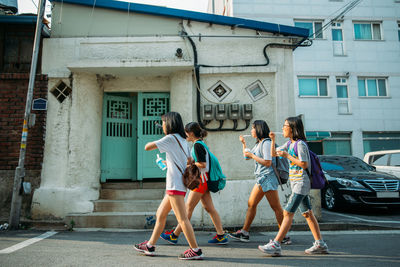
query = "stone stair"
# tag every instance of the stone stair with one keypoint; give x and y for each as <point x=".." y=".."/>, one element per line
<point x="128" y="205"/>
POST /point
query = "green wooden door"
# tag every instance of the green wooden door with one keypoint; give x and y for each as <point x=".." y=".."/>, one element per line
<point x="119" y="136"/>
<point x="150" y="108"/>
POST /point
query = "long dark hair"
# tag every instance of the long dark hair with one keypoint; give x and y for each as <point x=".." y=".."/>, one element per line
<point x="296" y="124"/>
<point x="262" y="129"/>
<point x="173" y="123"/>
<point x="195" y="128"/>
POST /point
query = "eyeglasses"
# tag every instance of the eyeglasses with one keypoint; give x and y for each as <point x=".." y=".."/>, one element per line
<point x="285" y="125"/>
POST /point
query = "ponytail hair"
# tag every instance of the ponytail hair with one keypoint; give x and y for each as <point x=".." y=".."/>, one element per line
<point x="195" y="128"/>
<point x="296" y="124"/>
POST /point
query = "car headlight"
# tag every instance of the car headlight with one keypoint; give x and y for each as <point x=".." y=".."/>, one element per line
<point x="349" y="183"/>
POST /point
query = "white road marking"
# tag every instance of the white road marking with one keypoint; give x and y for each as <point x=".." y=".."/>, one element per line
<point x="27" y="243"/>
<point x="360" y="219"/>
<point x="347" y="232"/>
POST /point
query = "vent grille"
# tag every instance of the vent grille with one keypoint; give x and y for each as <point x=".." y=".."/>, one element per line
<point x="383" y="185"/>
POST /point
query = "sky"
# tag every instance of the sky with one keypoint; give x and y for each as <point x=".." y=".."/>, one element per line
<point x="30" y="6"/>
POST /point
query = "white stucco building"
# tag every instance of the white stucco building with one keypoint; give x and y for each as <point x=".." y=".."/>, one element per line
<point x="114" y="68"/>
<point x="347" y="84"/>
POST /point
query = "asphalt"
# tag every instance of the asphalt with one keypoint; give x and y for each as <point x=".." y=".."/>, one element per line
<point x="115" y="248"/>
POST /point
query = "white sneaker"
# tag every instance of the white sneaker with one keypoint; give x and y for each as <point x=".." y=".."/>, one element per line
<point x="272" y="248"/>
<point x="318" y="248"/>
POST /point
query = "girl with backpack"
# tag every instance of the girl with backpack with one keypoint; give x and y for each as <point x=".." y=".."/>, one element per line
<point x="266" y="180"/>
<point x="177" y="151"/>
<point x="300" y="185"/>
<point x="196" y="135"/>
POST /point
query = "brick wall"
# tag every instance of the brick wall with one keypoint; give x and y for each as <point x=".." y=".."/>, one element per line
<point x="13" y="90"/>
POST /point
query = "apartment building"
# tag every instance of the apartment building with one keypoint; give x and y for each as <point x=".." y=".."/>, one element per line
<point x="347" y="84"/>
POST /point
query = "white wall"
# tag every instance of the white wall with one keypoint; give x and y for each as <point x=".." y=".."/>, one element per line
<point x="71" y="172"/>
<point x="363" y="58"/>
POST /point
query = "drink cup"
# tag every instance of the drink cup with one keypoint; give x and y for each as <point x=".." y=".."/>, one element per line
<point x="247" y="150"/>
<point x="160" y="163"/>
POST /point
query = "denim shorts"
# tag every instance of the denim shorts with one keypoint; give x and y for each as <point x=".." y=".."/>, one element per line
<point x="267" y="183"/>
<point x="296" y="201"/>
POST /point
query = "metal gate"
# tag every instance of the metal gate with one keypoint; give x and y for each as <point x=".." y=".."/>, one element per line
<point x="151" y="106"/>
<point x="128" y="124"/>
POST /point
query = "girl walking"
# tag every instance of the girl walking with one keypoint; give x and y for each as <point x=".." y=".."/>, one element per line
<point x="196" y="135"/>
<point x="177" y="150"/>
<point x="266" y="180"/>
<point x="300" y="185"/>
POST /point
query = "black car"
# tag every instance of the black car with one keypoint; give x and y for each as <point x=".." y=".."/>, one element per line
<point x="352" y="181"/>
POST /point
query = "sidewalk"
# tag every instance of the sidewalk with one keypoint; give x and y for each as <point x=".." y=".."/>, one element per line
<point x="331" y="221"/>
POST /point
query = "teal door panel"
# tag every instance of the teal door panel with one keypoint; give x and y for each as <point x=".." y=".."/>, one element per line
<point x="119" y="136"/>
<point x="150" y="108"/>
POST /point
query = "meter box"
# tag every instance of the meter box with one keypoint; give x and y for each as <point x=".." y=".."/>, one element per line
<point x="247" y="111"/>
<point x="208" y="113"/>
<point x="234" y="111"/>
<point x="220" y="113"/>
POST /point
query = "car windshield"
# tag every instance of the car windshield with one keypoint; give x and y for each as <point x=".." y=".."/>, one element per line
<point x="344" y="164"/>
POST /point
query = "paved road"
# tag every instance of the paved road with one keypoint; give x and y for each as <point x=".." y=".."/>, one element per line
<point x="379" y="216"/>
<point x="100" y="248"/>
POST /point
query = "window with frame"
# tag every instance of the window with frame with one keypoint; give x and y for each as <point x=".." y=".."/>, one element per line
<point x="337" y="38"/>
<point x="330" y="143"/>
<point x="313" y="86"/>
<point x="342" y="95"/>
<point x="372" y="87"/>
<point x="367" y="31"/>
<point x="314" y="27"/>
<point x="376" y="141"/>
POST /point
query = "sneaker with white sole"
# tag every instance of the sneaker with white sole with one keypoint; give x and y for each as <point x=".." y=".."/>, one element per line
<point x="170" y="237"/>
<point x="219" y="240"/>
<point x="190" y="254"/>
<point x="286" y="241"/>
<point x="240" y="236"/>
<point x="272" y="248"/>
<point x="318" y="248"/>
<point x="142" y="247"/>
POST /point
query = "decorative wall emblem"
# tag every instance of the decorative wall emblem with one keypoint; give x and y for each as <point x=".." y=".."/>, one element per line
<point x="256" y="90"/>
<point x="61" y="91"/>
<point x="220" y="90"/>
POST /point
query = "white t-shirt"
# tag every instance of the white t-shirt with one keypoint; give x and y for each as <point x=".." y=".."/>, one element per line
<point x="175" y="156"/>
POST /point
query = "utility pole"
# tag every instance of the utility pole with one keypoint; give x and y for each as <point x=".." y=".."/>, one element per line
<point x="20" y="170"/>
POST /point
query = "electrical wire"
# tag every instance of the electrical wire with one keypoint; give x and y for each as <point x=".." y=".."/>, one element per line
<point x="346" y="8"/>
<point x="197" y="76"/>
<point x="91" y="18"/>
<point x="34" y="4"/>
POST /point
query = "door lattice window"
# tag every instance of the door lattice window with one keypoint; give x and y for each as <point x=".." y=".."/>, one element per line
<point x="153" y="108"/>
<point x="119" y="116"/>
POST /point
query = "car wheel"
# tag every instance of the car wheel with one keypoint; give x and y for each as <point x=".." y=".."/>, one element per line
<point x="329" y="198"/>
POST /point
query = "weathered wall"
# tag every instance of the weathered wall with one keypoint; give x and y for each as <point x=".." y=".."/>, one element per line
<point x="71" y="169"/>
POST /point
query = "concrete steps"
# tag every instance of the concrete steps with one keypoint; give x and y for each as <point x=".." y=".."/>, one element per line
<point x="106" y="205"/>
<point x="132" y="194"/>
<point x="124" y="205"/>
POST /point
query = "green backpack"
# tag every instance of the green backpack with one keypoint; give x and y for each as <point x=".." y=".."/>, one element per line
<point x="217" y="179"/>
